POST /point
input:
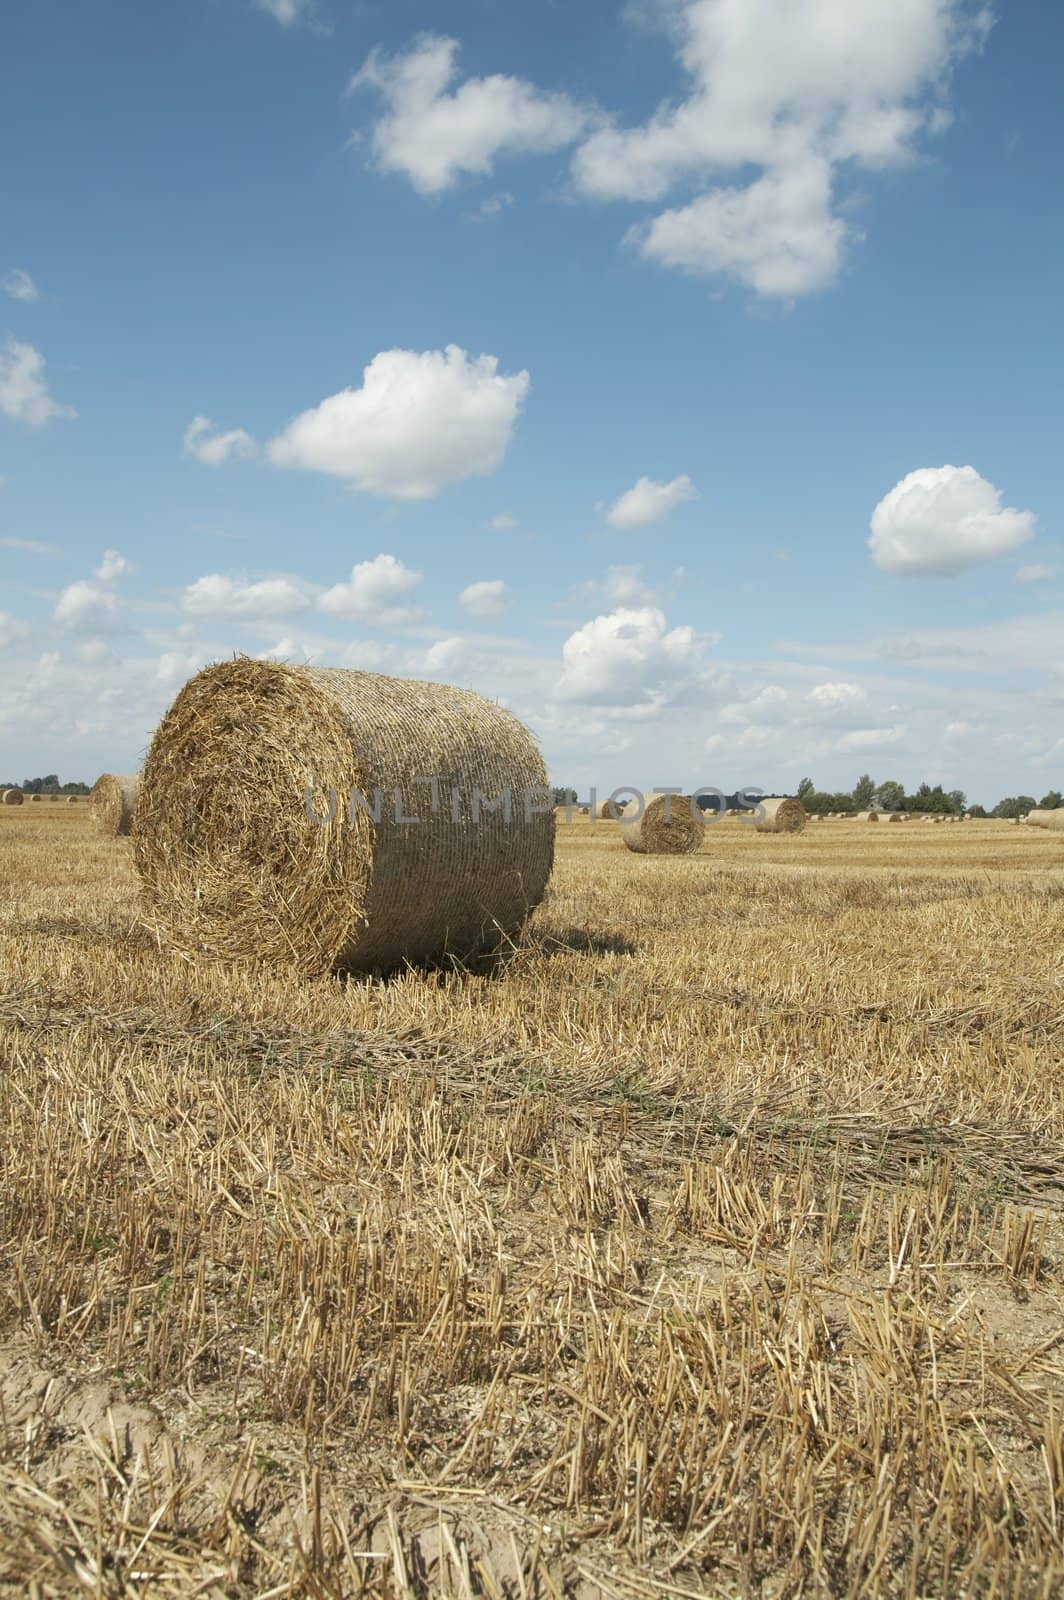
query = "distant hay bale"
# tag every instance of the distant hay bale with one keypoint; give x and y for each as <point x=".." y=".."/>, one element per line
<point x="867" y="816"/>
<point x="35" y="799"/>
<point x="893" y="816"/>
<point x="1046" y="819"/>
<point x="12" y="797"/>
<point x="665" y="827"/>
<point x="72" y="799"/>
<point x="782" y="816"/>
<point x="237" y="863"/>
<point x="113" y="802"/>
<point x="608" y="810"/>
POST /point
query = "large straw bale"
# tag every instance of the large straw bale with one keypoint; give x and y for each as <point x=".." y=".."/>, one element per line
<point x="609" y="810"/>
<point x="667" y="825"/>
<point x="11" y="797"/>
<point x="782" y="816"/>
<point x="893" y="816"/>
<point x="113" y="802"/>
<point x="867" y="816"/>
<point x="233" y="865"/>
<point x="1046" y="819"/>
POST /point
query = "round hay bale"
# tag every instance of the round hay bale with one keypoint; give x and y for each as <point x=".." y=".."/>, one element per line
<point x="113" y="802"/>
<point x="782" y="816"/>
<point x="73" y="799"/>
<point x="233" y="864"/>
<point x="1046" y="819"/>
<point x="35" y="799"/>
<point x="608" y="810"/>
<point x="867" y="816"/>
<point x="669" y="825"/>
<point x="893" y="816"/>
<point x="12" y="797"/>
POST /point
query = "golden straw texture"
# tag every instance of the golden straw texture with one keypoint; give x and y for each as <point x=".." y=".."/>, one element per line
<point x="782" y="816"/>
<point x="232" y="865"/>
<point x="609" y="810"/>
<point x="666" y="827"/>
<point x="867" y="816"/>
<point x="1046" y="819"/>
<point x="11" y="797"/>
<point x="113" y="802"/>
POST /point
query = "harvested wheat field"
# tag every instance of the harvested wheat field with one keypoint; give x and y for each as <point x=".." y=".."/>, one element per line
<point x="706" y="1242"/>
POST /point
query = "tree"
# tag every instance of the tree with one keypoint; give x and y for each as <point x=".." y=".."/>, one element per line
<point x="805" y="788"/>
<point x="978" y="811"/>
<point x="958" y="800"/>
<point x="1015" y="805"/>
<point x="863" y="792"/>
<point x="564" y="797"/>
<point x="927" y="799"/>
<point x="1052" y="801"/>
<point x="891" y="796"/>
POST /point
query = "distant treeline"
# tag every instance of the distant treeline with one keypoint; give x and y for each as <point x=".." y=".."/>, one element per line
<point x="48" y="785"/>
<point x="867" y="795"/>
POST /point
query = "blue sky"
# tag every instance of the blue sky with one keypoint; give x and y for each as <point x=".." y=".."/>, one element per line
<point x="685" y="374"/>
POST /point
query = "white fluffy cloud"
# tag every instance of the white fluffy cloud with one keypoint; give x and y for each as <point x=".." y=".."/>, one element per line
<point x="777" y="234"/>
<point x="943" y="520"/>
<point x="420" y="420"/>
<point x="649" y="501"/>
<point x="217" y="596"/>
<point x="23" y="391"/>
<point x="870" y="738"/>
<point x="435" y="134"/>
<point x="12" y="630"/>
<point x="376" y="593"/>
<point x="204" y="443"/>
<point x="287" y="12"/>
<point x="627" y="657"/>
<point x="835" y="696"/>
<point x="1036" y="572"/>
<point x="85" y="607"/>
<point x="488" y="598"/>
<point x="18" y="285"/>
<point x="114" y="565"/>
<point x="794" y="89"/>
<point x="503" y="522"/>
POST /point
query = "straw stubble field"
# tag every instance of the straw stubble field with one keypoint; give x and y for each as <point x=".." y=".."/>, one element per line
<point x="709" y="1242"/>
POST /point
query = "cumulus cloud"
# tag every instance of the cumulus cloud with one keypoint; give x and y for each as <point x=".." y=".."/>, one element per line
<point x="795" y="90"/>
<point x="649" y="501"/>
<point x="12" y="630"/>
<point x="435" y="134"/>
<point x="420" y="420"/>
<point x="626" y="657"/>
<point x="114" y="565"/>
<point x="777" y="234"/>
<point x="488" y="598"/>
<point x="204" y="443"/>
<point x="870" y="738"/>
<point x="375" y="593"/>
<point x="215" y="595"/>
<point x="1036" y="572"/>
<point x="940" y="521"/>
<point x="287" y="12"/>
<point x="23" y="391"/>
<point x="446" y="655"/>
<point x="85" y="607"/>
<point x="18" y="285"/>
<point x="503" y="522"/>
<point x="835" y="696"/>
